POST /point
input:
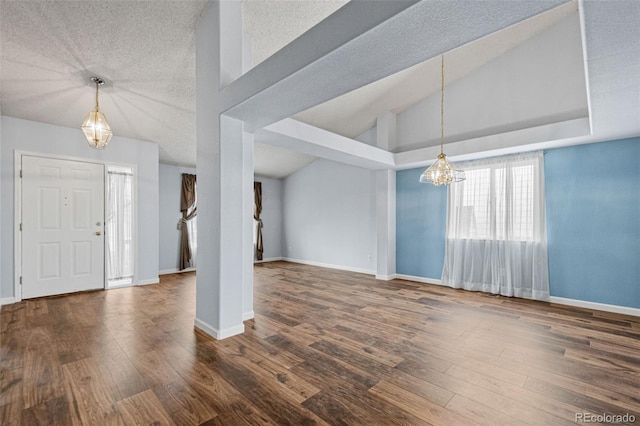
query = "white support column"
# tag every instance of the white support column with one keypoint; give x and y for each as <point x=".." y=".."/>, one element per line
<point x="248" y="205"/>
<point x="386" y="202"/>
<point x="224" y="160"/>
<point x="386" y="224"/>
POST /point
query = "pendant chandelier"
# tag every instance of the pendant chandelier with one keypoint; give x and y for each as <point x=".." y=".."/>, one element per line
<point x="442" y="172"/>
<point x="95" y="126"/>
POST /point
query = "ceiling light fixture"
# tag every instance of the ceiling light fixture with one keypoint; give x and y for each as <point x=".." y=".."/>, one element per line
<point x="442" y="172"/>
<point x="95" y="126"/>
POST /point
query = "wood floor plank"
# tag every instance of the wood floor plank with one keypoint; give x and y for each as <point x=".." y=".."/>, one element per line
<point x="361" y="349"/>
<point x="42" y="377"/>
<point x="11" y="387"/>
<point x="54" y="411"/>
<point x="324" y="347"/>
<point x="90" y="393"/>
<point x="507" y="390"/>
<point x="269" y="350"/>
<point x="154" y="369"/>
<point x="422" y="388"/>
<point x="368" y="408"/>
<point x="588" y="403"/>
<point x="480" y="413"/>
<point x="419" y="407"/>
<point x="12" y="317"/>
<point x="276" y="401"/>
<point x="246" y="357"/>
<point x="184" y="404"/>
<point x="215" y="391"/>
<point x="11" y="414"/>
<point x="143" y="408"/>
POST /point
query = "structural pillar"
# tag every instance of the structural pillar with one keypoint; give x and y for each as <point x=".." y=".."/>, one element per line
<point x="225" y="178"/>
<point x="386" y="202"/>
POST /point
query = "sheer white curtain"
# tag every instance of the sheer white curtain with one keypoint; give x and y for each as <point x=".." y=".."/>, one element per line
<point x="119" y="226"/>
<point x="496" y="228"/>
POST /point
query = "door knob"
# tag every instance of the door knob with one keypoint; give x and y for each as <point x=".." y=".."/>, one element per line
<point x="98" y="233"/>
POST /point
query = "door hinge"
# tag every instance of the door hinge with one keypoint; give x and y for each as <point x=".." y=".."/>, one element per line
<point x="20" y="172"/>
<point x="20" y="227"/>
<point x="20" y="280"/>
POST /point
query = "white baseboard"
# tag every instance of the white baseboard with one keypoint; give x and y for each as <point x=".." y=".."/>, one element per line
<point x="248" y="315"/>
<point x="625" y="310"/>
<point x="418" y="279"/>
<point x="218" y="334"/>
<point x="386" y="277"/>
<point x="271" y="259"/>
<point x="7" y="300"/>
<point x="149" y="281"/>
<point x="328" y="265"/>
<point x="113" y="287"/>
<point x="175" y="271"/>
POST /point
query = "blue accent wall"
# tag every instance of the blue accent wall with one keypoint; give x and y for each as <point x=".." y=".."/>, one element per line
<point x="593" y="223"/>
<point x="421" y="218"/>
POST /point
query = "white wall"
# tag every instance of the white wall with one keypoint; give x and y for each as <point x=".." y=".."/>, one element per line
<point x="2" y="252"/>
<point x="170" y="187"/>
<point x="330" y="215"/>
<point x="271" y="217"/>
<point x="43" y="138"/>
<point x="369" y="137"/>
<point x="539" y="82"/>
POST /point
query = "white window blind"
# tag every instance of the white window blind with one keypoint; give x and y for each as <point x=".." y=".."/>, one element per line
<point x="496" y="230"/>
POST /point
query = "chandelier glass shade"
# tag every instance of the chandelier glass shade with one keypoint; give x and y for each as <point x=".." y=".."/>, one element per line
<point x="95" y="126"/>
<point x="442" y="172"/>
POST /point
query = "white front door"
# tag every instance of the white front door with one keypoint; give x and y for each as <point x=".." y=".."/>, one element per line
<point x="62" y="226"/>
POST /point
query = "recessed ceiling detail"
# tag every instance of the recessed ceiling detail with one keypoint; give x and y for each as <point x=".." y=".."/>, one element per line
<point x="355" y="112"/>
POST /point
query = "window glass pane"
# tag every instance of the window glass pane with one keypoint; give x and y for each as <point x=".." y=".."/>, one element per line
<point x="495" y="201"/>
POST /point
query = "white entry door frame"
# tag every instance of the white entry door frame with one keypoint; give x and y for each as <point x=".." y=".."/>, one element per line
<point x="18" y="212"/>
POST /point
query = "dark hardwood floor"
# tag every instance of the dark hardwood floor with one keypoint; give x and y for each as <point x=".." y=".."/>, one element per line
<point x="325" y="347"/>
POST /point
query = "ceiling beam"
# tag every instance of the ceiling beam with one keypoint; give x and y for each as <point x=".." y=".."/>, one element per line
<point x="361" y="43"/>
<point x="346" y="24"/>
<point x="307" y="139"/>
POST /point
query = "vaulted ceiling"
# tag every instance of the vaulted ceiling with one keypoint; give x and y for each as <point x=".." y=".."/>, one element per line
<point x="145" y="51"/>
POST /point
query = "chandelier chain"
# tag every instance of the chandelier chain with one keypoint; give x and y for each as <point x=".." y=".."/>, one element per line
<point x="97" y="96"/>
<point x="442" y="105"/>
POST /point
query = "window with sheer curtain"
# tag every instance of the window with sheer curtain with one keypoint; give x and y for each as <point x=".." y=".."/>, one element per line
<point x="496" y="228"/>
<point x="192" y="230"/>
<point x="119" y="226"/>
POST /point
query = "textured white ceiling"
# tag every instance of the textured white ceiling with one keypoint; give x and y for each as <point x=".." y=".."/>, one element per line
<point x="355" y="112"/>
<point x="145" y="51"/>
<point x="276" y="162"/>
<point x="270" y="25"/>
